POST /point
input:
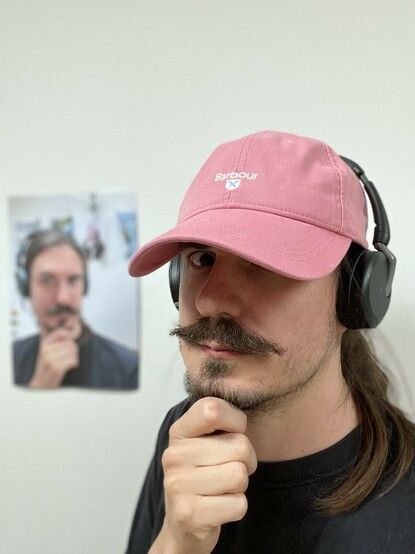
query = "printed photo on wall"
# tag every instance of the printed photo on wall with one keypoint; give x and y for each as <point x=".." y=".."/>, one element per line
<point x="73" y="306"/>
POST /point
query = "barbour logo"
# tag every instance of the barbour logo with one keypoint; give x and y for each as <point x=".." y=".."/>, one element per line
<point x="233" y="179"/>
<point x="232" y="184"/>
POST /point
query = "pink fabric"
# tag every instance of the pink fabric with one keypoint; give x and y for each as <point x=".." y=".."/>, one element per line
<point x="285" y="202"/>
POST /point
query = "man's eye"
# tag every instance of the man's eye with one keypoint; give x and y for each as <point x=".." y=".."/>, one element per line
<point x="200" y="258"/>
<point x="47" y="280"/>
<point x="75" y="279"/>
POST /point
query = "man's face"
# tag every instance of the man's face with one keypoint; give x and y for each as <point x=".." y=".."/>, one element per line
<point x="56" y="287"/>
<point x="287" y="329"/>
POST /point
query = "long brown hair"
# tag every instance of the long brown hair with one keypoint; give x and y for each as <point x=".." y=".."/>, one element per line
<point x="380" y="419"/>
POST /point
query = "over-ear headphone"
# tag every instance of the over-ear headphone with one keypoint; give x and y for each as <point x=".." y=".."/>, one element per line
<point x="366" y="277"/>
<point x="366" y="280"/>
<point x="33" y="245"/>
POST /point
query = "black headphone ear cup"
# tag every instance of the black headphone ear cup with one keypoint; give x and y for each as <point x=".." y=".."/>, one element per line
<point x="348" y="306"/>
<point x="174" y="279"/>
<point x="375" y="278"/>
<point x="21" y="274"/>
<point x="361" y="301"/>
<point x="22" y="281"/>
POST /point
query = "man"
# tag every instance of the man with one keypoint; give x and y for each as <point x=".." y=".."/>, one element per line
<point x="287" y="439"/>
<point x="52" y="272"/>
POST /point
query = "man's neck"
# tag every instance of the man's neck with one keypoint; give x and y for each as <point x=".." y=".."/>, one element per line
<point x="317" y="418"/>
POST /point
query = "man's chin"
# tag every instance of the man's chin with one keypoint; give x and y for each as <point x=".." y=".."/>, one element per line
<point x="245" y="400"/>
<point x="70" y="324"/>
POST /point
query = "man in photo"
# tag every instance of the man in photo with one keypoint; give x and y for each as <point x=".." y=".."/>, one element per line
<point x="52" y="273"/>
<point x="287" y="441"/>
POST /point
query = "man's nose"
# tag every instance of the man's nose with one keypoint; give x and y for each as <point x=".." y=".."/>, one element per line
<point x="64" y="293"/>
<point x="223" y="291"/>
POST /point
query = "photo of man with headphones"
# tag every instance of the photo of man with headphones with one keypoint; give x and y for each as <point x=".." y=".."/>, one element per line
<point x="52" y="272"/>
<point x="287" y="441"/>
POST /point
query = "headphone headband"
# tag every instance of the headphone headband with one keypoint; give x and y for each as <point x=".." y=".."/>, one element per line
<point x="381" y="234"/>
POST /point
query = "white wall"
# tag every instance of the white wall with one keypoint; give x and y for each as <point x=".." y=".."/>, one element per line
<point x="134" y="94"/>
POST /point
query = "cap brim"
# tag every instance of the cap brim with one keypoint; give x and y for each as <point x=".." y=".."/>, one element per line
<point x="287" y="246"/>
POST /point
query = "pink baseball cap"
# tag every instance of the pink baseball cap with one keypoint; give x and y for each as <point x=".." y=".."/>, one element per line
<point x="285" y="202"/>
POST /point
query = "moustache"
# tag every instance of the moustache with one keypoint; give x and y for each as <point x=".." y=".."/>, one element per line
<point x="62" y="309"/>
<point x="228" y="334"/>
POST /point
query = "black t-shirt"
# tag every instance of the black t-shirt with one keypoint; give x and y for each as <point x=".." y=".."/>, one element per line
<point x="281" y="518"/>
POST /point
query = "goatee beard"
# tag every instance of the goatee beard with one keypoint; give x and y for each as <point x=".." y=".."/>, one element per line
<point x="234" y="336"/>
<point x="211" y="383"/>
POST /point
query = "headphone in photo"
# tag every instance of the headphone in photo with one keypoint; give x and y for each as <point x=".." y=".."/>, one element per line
<point x="33" y="245"/>
<point x="365" y="286"/>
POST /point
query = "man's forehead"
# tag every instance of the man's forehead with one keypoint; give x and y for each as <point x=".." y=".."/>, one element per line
<point x="55" y="258"/>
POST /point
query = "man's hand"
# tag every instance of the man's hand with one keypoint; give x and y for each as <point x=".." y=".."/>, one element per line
<point x="206" y="468"/>
<point x="58" y="353"/>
